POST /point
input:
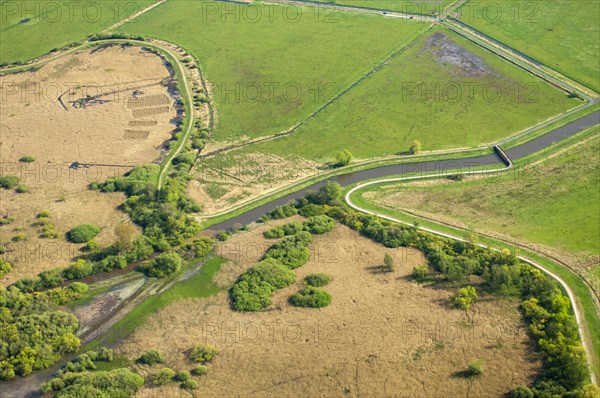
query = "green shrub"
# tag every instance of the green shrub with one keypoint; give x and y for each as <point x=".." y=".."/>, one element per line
<point x="150" y="357"/>
<point x="162" y="377"/>
<point x="520" y="392"/>
<point x="19" y="237"/>
<point x="78" y="270"/>
<point x="163" y="265"/>
<point x="22" y="189"/>
<point x="317" y="279"/>
<point x="199" y="370"/>
<point x="189" y="385"/>
<point x="319" y="224"/>
<point x="43" y="214"/>
<point x="5" y="268"/>
<point x="343" y="158"/>
<point x="6" y="220"/>
<point x="203" y="353"/>
<point x="474" y="369"/>
<point x="311" y="297"/>
<point x="421" y="272"/>
<point x="292" y="251"/>
<point x="83" y="233"/>
<point x="182" y="375"/>
<point x="8" y="182"/>
<point x="27" y="159"/>
<point x="252" y="291"/>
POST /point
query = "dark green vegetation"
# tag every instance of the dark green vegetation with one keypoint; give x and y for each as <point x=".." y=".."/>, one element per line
<point x="256" y="93"/>
<point x="21" y="313"/>
<point x="83" y="233"/>
<point x="163" y="265"/>
<point x="55" y="24"/>
<point x="314" y="225"/>
<point x="8" y="181"/>
<point x="312" y="297"/>
<point x="544" y="306"/>
<point x="80" y="379"/>
<point x="27" y="159"/>
<point x="561" y="33"/>
<point x="317" y="279"/>
<point x="252" y="291"/>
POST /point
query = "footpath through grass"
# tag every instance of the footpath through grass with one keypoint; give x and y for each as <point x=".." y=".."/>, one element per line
<point x="562" y="34"/>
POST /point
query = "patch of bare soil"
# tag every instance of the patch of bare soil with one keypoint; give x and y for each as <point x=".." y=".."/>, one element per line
<point x="229" y="180"/>
<point x="84" y="117"/>
<point x="383" y="335"/>
<point x="447" y="52"/>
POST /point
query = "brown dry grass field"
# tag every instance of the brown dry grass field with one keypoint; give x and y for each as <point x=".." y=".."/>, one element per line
<point x="109" y="108"/>
<point x="382" y="335"/>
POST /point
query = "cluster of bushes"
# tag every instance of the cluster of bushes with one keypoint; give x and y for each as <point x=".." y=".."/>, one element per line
<point x="86" y="361"/>
<point x="163" y="217"/>
<point x="312" y="297"/>
<point x="545" y="306"/>
<point x="8" y="182"/>
<point x="167" y="375"/>
<point x="47" y="230"/>
<point x="35" y="334"/>
<point x="83" y="233"/>
<point x="117" y="383"/>
<point x="163" y="265"/>
<point x="315" y="225"/>
<point x="199" y="137"/>
<point x="252" y="291"/>
<point x="283" y="211"/>
<point x="6" y="220"/>
<point x="203" y="353"/>
<point x="150" y="357"/>
<point x="292" y="251"/>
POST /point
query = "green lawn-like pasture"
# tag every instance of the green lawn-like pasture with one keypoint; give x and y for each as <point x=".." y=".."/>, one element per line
<point x="417" y="96"/>
<point x="30" y="28"/>
<point x="555" y="202"/>
<point x="563" y="34"/>
<point x="270" y="65"/>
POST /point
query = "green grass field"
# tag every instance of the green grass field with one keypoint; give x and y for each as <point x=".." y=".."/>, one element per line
<point x="563" y="34"/>
<point x="54" y="24"/>
<point x="553" y="203"/>
<point x="421" y="96"/>
<point x="429" y="7"/>
<point x="269" y="70"/>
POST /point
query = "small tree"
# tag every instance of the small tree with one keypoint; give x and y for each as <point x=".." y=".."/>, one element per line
<point x="466" y="297"/>
<point x="125" y="234"/>
<point x="421" y="272"/>
<point x="388" y="263"/>
<point x="343" y="158"/>
<point x="415" y="147"/>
